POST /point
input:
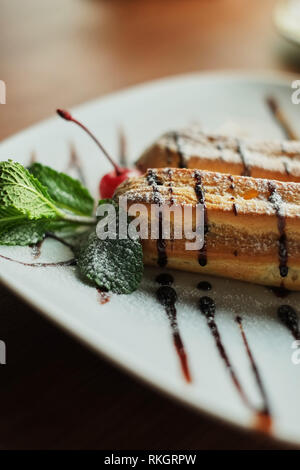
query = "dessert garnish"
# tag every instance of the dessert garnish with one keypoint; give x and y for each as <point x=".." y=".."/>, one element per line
<point x="37" y="201"/>
<point x="281" y="118"/>
<point x="29" y="207"/>
<point x="110" y="181"/>
<point x="112" y="264"/>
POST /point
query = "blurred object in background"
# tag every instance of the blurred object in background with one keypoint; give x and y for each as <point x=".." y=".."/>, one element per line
<point x="287" y="19"/>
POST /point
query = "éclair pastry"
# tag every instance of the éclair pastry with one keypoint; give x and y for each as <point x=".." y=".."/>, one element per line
<point x="252" y="225"/>
<point x="193" y="148"/>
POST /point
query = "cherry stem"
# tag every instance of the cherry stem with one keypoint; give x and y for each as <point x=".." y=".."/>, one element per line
<point x="68" y="117"/>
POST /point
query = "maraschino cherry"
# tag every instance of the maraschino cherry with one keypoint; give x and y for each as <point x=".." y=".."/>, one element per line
<point x="110" y="181"/>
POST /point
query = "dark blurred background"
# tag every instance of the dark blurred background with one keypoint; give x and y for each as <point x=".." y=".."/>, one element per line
<point x="53" y="392"/>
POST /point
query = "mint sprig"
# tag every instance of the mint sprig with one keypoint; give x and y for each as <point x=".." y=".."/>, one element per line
<point x="42" y="200"/>
<point x="21" y="191"/>
<point x="17" y="229"/>
<point x="27" y="210"/>
<point x="68" y="193"/>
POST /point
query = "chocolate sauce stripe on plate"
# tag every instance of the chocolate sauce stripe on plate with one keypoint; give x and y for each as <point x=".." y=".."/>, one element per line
<point x="204" y="285"/>
<point x="262" y="416"/>
<point x="266" y="407"/>
<point x="164" y="279"/>
<point x="75" y="163"/>
<point x="167" y="296"/>
<point x="69" y="262"/>
<point x="289" y="318"/>
<point x="208" y="308"/>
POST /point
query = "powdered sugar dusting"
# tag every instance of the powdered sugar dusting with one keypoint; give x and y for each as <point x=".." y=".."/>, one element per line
<point x="281" y="158"/>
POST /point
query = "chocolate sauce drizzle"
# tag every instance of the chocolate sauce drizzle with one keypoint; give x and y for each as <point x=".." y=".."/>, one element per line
<point x="208" y="308"/>
<point x="262" y="416"/>
<point x="202" y="258"/>
<point x="162" y="258"/>
<point x="122" y="144"/>
<point x="289" y="318"/>
<point x="241" y="150"/>
<point x="182" y="160"/>
<point x="204" y="285"/>
<point x="280" y="291"/>
<point x="154" y="181"/>
<point x="69" y="262"/>
<point x="276" y="201"/>
<point x="33" y="158"/>
<point x="167" y="296"/>
<point x="75" y="163"/>
<point x="280" y="118"/>
<point x="265" y="411"/>
<point x="234" y="208"/>
<point x="165" y="279"/>
<point x="170" y="175"/>
<point x="171" y="200"/>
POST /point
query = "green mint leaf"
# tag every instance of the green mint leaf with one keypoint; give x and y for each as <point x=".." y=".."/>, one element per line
<point x="115" y="265"/>
<point x="27" y="209"/>
<point x="65" y="228"/>
<point x="20" y="190"/>
<point x="67" y="192"/>
<point x="17" y="229"/>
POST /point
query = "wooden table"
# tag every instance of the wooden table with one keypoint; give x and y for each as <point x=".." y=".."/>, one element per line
<point x="54" y="393"/>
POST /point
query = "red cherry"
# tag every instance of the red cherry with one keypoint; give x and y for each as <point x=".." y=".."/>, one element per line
<point x="110" y="181"/>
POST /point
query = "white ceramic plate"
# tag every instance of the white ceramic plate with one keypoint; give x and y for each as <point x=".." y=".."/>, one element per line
<point x="133" y="331"/>
<point x="287" y="19"/>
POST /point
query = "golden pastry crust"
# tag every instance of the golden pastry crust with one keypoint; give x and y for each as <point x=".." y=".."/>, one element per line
<point x="249" y="221"/>
<point x="192" y="148"/>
